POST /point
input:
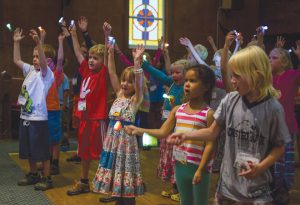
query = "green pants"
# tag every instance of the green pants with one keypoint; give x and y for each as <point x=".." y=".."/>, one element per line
<point x="191" y="194"/>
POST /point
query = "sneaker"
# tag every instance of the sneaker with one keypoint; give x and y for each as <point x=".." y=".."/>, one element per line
<point x="75" y="159"/>
<point x="29" y="179"/>
<point x="79" y="188"/>
<point x="107" y="199"/>
<point x="54" y="170"/>
<point x="44" y="184"/>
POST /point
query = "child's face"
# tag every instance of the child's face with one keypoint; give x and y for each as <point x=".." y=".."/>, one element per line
<point x="177" y="72"/>
<point x="275" y="61"/>
<point x="240" y="84"/>
<point x="193" y="87"/>
<point x="127" y="86"/>
<point x="95" y="61"/>
<point x="35" y="59"/>
<point x="217" y="60"/>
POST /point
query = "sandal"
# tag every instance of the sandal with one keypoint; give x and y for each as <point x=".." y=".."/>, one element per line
<point x="175" y="197"/>
<point x="166" y="194"/>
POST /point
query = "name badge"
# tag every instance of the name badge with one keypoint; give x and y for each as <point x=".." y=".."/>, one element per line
<point x="180" y="155"/>
<point x="82" y="105"/>
<point x="166" y="114"/>
<point x="21" y="100"/>
<point x="74" y="81"/>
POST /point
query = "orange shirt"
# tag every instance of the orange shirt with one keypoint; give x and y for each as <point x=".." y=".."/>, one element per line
<point x="52" y="97"/>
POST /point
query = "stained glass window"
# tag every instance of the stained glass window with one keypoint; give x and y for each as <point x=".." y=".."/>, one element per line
<point x="146" y="22"/>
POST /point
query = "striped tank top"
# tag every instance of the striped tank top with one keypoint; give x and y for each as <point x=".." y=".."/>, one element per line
<point x="193" y="150"/>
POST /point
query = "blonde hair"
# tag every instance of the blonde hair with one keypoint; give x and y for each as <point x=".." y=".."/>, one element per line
<point x="183" y="62"/>
<point x="98" y="49"/>
<point x="284" y="57"/>
<point x="252" y="65"/>
<point x="48" y="50"/>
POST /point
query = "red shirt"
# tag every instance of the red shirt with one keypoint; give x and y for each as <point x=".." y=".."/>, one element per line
<point x="93" y="91"/>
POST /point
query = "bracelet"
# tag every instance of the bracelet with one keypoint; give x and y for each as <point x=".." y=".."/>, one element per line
<point x="140" y="70"/>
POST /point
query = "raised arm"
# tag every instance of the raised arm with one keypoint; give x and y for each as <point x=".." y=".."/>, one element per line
<point x="60" y="53"/>
<point x="122" y="57"/>
<point x="186" y="42"/>
<point x="138" y="72"/>
<point x="43" y="34"/>
<point x="107" y="32"/>
<point x="157" y="54"/>
<point x="114" y="80"/>
<point x="157" y="74"/>
<point x="83" y="26"/>
<point x="167" y="60"/>
<point x="76" y="46"/>
<point x="224" y="60"/>
<point x="212" y="43"/>
<point x="297" y="49"/>
<point x="18" y="36"/>
<point x="42" y="57"/>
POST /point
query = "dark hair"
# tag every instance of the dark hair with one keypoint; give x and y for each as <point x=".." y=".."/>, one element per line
<point x="207" y="77"/>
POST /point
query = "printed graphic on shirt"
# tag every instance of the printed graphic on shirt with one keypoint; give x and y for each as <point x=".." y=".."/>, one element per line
<point x="25" y="101"/>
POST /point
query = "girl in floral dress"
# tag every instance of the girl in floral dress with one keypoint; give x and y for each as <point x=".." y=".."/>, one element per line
<point x="119" y="170"/>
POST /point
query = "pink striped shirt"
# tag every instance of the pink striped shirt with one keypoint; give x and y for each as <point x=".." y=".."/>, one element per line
<point x="188" y="122"/>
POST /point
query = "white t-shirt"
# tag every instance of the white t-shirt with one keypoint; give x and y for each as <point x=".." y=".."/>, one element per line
<point x="33" y="93"/>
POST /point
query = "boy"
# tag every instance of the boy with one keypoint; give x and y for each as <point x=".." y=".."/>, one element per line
<point x="34" y="136"/>
<point x="92" y="109"/>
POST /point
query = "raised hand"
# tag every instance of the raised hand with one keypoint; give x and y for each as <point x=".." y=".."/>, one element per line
<point x="176" y="138"/>
<point x="72" y="29"/>
<point x="230" y="37"/>
<point x="185" y="41"/>
<point x="280" y="41"/>
<point x="18" y="35"/>
<point x="297" y="50"/>
<point x="106" y="29"/>
<point x="34" y="35"/>
<point x="161" y="43"/>
<point x="83" y="24"/>
<point x="138" y="51"/>
<point x="43" y="34"/>
<point x="61" y="36"/>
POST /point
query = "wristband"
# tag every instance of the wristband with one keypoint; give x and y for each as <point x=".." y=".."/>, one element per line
<point x="140" y="70"/>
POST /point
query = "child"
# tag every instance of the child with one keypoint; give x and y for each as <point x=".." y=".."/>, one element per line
<point x="91" y="108"/>
<point x="192" y="159"/>
<point x="255" y="131"/>
<point x="286" y="80"/>
<point x="165" y="168"/>
<point x="34" y="136"/>
<point x="119" y="168"/>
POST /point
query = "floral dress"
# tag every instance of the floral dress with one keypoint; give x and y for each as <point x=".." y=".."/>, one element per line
<point x="119" y="171"/>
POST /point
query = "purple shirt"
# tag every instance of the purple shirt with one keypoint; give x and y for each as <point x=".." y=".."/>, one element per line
<point x="287" y="83"/>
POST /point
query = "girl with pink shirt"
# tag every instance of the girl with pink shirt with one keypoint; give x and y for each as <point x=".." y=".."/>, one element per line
<point x="192" y="159"/>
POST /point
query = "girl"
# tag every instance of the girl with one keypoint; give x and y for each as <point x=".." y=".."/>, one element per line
<point x="255" y="131"/>
<point x="119" y="168"/>
<point x="165" y="168"/>
<point x="192" y="159"/>
<point x="286" y="81"/>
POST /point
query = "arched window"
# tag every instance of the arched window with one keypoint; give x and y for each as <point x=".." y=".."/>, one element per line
<point x="146" y="22"/>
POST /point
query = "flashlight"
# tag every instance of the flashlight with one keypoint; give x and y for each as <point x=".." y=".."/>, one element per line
<point x="111" y="40"/>
<point x="9" y="26"/>
<point x="61" y="20"/>
<point x="72" y="23"/>
<point x="290" y="50"/>
<point x="166" y="45"/>
<point x="264" y="28"/>
<point x="40" y="28"/>
<point x="166" y="96"/>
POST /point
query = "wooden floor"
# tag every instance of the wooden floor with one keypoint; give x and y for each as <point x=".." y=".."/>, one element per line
<point x="149" y="159"/>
